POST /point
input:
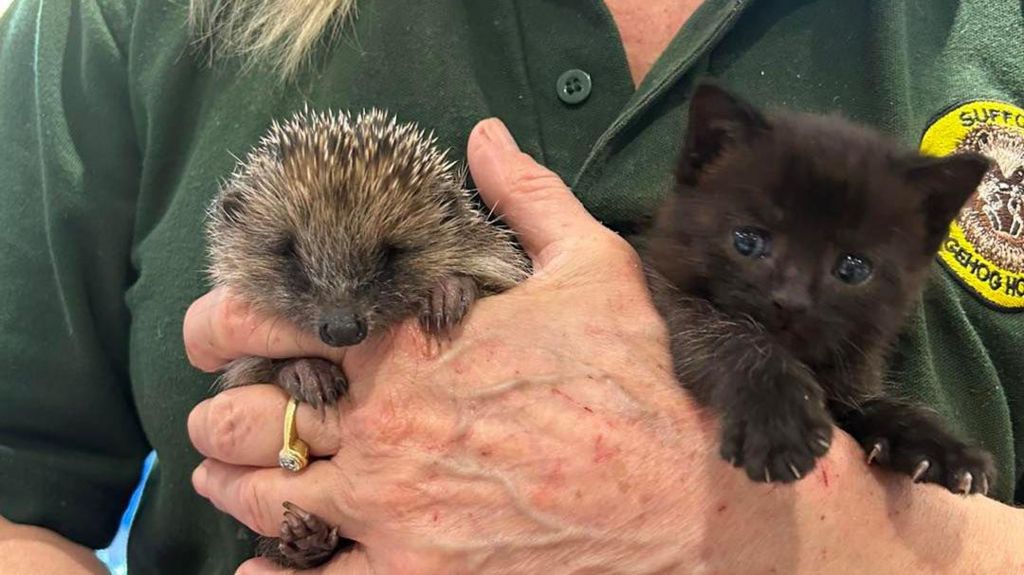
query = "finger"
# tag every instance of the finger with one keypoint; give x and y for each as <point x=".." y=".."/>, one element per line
<point x="256" y="496"/>
<point x="532" y="199"/>
<point x="219" y="327"/>
<point x="354" y="562"/>
<point x="261" y="566"/>
<point x="245" y="426"/>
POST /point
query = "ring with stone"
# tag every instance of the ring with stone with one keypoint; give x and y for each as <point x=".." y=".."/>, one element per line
<point x="294" y="455"/>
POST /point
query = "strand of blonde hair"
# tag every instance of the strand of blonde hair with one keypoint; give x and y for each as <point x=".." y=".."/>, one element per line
<point x="279" y="34"/>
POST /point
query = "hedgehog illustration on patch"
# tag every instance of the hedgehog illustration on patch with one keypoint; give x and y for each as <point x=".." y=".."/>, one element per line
<point x="985" y="245"/>
<point x="994" y="219"/>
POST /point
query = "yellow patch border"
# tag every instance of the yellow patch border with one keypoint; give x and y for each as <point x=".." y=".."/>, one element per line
<point x="991" y="283"/>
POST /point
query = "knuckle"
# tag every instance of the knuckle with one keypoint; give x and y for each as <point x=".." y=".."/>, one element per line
<point x="612" y="255"/>
<point x="253" y="508"/>
<point x="323" y="434"/>
<point x="530" y="179"/>
<point x="225" y="424"/>
<point x="192" y="336"/>
<point x="620" y="253"/>
<point x="248" y="568"/>
<point x="195" y="356"/>
<point x="234" y="322"/>
<point x="348" y="496"/>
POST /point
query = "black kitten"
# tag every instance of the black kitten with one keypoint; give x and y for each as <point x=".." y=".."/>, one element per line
<point x="785" y="264"/>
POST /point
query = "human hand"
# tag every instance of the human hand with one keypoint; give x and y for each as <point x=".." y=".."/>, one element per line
<point x="550" y="436"/>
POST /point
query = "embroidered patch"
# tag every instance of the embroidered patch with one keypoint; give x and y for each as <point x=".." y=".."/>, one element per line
<point x="985" y="245"/>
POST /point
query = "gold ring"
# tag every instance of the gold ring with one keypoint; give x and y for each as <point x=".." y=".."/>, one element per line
<point x="294" y="456"/>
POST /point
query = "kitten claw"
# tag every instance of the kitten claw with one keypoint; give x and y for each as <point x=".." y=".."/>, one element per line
<point x="794" y="471"/>
<point x="984" y="485"/>
<point x="767" y="476"/>
<point x="920" y="470"/>
<point x="965" y="482"/>
<point x="824" y="443"/>
<point x="875" y="452"/>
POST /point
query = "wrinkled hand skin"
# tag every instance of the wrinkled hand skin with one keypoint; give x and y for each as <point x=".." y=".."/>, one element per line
<point x="551" y="436"/>
<point x="508" y="443"/>
<point x="581" y="454"/>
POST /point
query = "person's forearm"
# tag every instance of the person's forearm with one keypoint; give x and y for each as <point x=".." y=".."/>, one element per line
<point x="30" y="550"/>
<point x="845" y="518"/>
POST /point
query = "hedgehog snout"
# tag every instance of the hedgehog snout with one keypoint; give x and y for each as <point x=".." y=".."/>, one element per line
<point x="342" y="327"/>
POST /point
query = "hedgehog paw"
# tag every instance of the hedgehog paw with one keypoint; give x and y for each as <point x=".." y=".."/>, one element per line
<point x="305" y="542"/>
<point x="449" y="303"/>
<point x="317" y="382"/>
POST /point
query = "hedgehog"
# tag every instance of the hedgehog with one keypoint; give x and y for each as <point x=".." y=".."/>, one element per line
<point x="347" y="225"/>
<point x="993" y="220"/>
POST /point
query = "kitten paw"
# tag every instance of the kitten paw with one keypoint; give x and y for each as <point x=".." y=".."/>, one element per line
<point x="317" y="382"/>
<point x="306" y="541"/>
<point x="946" y="461"/>
<point x="778" y="443"/>
<point x="772" y="454"/>
<point x="449" y="303"/>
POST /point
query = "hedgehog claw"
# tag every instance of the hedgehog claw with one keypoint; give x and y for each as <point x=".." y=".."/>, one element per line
<point x="306" y="541"/>
<point x="448" y="304"/>
<point x="316" y="382"/>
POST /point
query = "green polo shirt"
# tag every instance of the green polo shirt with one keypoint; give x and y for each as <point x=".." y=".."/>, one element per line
<point x="114" y="136"/>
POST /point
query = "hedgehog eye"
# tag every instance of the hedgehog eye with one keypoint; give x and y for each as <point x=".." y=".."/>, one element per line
<point x="286" y="248"/>
<point x="295" y="273"/>
<point x="390" y="254"/>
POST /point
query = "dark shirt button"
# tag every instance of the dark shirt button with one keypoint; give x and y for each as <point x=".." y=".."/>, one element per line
<point x="573" y="86"/>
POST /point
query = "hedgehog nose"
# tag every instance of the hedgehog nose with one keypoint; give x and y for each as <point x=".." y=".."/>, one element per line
<point x="342" y="328"/>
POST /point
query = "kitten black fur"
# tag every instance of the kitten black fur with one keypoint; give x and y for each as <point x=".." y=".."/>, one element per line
<point x="786" y="263"/>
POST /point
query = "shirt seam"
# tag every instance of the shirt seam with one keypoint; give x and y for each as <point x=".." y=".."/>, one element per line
<point x="656" y="91"/>
<point x="538" y="127"/>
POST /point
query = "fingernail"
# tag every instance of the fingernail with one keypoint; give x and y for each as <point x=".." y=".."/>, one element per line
<point x="199" y="479"/>
<point x="498" y="134"/>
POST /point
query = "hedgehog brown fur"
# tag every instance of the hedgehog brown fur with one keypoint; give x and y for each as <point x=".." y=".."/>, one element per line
<point x="358" y="214"/>
<point x="347" y="225"/>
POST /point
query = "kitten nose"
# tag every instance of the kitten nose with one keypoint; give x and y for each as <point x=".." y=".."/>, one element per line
<point x="341" y="328"/>
<point x="792" y="299"/>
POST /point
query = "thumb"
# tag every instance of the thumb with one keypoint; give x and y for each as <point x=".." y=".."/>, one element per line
<point x="353" y="562"/>
<point x="532" y="199"/>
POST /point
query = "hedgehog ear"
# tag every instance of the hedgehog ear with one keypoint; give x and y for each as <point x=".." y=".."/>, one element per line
<point x="946" y="184"/>
<point x="230" y="207"/>
<point x="717" y="120"/>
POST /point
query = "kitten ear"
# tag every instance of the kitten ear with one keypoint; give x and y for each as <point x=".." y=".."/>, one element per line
<point x="947" y="182"/>
<point x="717" y="119"/>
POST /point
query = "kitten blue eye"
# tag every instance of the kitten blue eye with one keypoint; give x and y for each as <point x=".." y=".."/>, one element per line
<point x="752" y="242"/>
<point x="852" y="269"/>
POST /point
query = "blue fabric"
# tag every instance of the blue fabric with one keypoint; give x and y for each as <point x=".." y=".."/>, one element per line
<point x="116" y="555"/>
